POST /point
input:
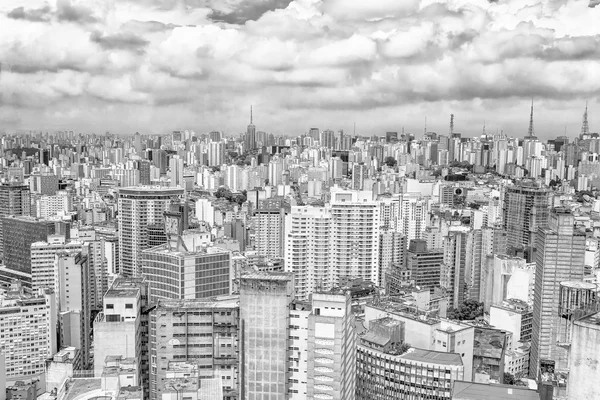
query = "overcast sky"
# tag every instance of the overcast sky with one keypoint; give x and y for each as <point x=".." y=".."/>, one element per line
<point x="155" y="66"/>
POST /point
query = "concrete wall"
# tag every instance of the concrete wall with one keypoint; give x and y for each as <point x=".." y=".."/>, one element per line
<point x="584" y="361"/>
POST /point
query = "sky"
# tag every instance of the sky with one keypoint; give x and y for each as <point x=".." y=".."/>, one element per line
<point x="154" y="66"/>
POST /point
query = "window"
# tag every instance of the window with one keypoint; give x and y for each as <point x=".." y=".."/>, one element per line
<point x="110" y="306"/>
<point x="128" y="305"/>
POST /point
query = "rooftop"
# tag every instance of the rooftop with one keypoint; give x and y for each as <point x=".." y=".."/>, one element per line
<point x="477" y="391"/>
<point x="592" y="319"/>
<point x="213" y="302"/>
<point x="431" y="356"/>
<point x="267" y="276"/>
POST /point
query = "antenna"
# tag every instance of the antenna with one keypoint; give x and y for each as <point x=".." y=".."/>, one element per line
<point x="585" y="128"/>
<point x="355" y="128"/>
<point x="425" y="126"/>
<point x="250" y="114"/>
<point x="451" y="124"/>
<point x="483" y="133"/>
<point x="530" y="130"/>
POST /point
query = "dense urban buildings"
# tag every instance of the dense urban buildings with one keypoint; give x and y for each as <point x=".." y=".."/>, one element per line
<point x="325" y="266"/>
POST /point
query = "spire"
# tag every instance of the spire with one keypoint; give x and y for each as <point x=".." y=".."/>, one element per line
<point x="530" y="130"/>
<point x="483" y="132"/>
<point x="585" y="128"/>
<point x="250" y="114"/>
<point x="451" y="124"/>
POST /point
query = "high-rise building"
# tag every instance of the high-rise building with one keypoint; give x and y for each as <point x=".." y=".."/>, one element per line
<point x="216" y="153"/>
<point x="359" y="173"/>
<point x="354" y="235"/>
<point x="331" y="352"/>
<point x="121" y="328"/>
<point x="20" y="233"/>
<point x="425" y="265"/>
<point x="201" y="332"/>
<point x="265" y="303"/>
<point x="413" y="217"/>
<point x="392" y="251"/>
<point x="584" y="358"/>
<point x="455" y="260"/>
<point x="73" y="305"/>
<point x="560" y="257"/>
<point x="307" y="241"/>
<point x="138" y="208"/>
<point x="27" y="331"/>
<point x="176" y="171"/>
<point x="525" y="209"/>
<point x="269" y="222"/>
<point x="15" y="199"/>
<point x="48" y="206"/>
<point x="250" y="140"/>
<point x="43" y="263"/>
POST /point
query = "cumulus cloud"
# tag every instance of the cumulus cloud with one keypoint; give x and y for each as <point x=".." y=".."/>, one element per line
<point x="199" y="63"/>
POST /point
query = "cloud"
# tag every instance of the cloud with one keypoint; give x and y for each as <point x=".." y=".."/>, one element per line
<point x="199" y="63"/>
<point x="119" y="41"/>
<point x="248" y="10"/>
<point x="33" y="15"/>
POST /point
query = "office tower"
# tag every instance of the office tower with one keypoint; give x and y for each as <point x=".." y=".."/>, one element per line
<point x="331" y="347"/>
<point x="354" y="235"/>
<point x="327" y="138"/>
<point x="28" y="331"/>
<point x="307" y="241"/>
<point x="265" y="301"/>
<point x="176" y="171"/>
<point x="20" y="233"/>
<point x="138" y="208"/>
<point x="389" y="212"/>
<point x="413" y="217"/>
<point x="143" y="166"/>
<point x="425" y="265"/>
<point x="187" y="274"/>
<point x="43" y="264"/>
<point x="215" y="136"/>
<point x="359" y="173"/>
<point x="45" y="183"/>
<point x="584" y="357"/>
<point x="121" y="328"/>
<point x="391" y="137"/>
<point x="216" y="153"/>
<point x="200" y="332"/>
<point x="388" y="368"/>
<point x="250" y="139"/>
<point x="525" y="209"/>
<point x="454" y="279"/>
<point x="15" y="199"/>
<point x="269" y="222"/>
<point x="137" y="143"/>
<point x="74" y="303"/>
<point x="392" y="250"/>
<point x="560" y="257"/>
<point x="97" y="265"/>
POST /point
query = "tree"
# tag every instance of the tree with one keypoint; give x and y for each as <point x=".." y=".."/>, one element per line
<point x="390" y="161"/>
<point x="468" y="310"/>
<point x="223" y="192"/>
<point x="509" y="379"/>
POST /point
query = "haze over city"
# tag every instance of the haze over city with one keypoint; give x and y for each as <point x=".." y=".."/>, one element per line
<point x="155" y="66"/>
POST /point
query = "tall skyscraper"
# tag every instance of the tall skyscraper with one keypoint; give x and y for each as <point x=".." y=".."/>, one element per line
<point x="525" y="209"/>
<point x="176" y="171"/>
<point x="354" y="235"/>
<point x="359" y="173"/>
<point x="269" y="222"/>
<point x="74" y="303"/>
<point x="43" y="264"/>
<point x="265" y="301"/>
<point x="560" y="257"/>
<point x="307" y="241"/>
<point x="250" y="140"/>
<point x="139" y="207"/>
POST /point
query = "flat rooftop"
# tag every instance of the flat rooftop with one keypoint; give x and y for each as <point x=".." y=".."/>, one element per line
<point x="431" y="356"/>
<point x="213" y="302"/>
<point x="267" y="276"/>
<point x="590" y="320"/>
<point x="477" y="391"/>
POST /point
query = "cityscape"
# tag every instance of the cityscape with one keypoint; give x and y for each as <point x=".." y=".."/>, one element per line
<point x="299" y="199"/>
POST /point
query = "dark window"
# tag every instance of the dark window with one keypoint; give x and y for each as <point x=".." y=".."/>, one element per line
<point x="128" y="305"/>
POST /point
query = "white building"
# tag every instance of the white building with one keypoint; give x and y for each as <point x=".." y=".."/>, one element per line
<point x="44" y="272"/>
<point x="27" y="332"/>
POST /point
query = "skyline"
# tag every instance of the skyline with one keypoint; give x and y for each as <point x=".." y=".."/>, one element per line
<point x="153" y="66"/>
